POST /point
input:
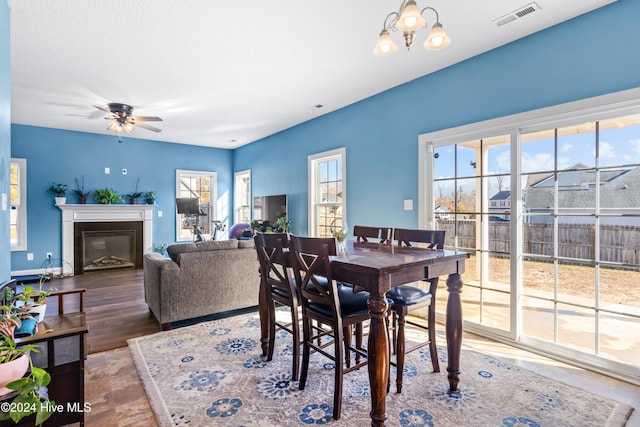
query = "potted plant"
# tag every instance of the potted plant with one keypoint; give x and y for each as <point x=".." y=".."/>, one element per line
<point x="15" y="361"/>
<point x="134" y="196"/>
<point x="282" y="225"/>
<point x="150" y="197"/>
<point x="35" y="299"/>
<point x="59" y="191"/>
<point x="106" y="196"/>
<point x="79" y="190"/>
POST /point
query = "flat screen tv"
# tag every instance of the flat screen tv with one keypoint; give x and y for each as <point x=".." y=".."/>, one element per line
<point x="269" y="208"/>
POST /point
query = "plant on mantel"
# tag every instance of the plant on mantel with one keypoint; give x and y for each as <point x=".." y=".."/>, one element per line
<point x="106" y="196"/>
<point x="134" y="196"/>
<point x="80" y="192"/>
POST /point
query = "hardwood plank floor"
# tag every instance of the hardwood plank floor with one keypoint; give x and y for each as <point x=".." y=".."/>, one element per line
<point x="114" y="306"/>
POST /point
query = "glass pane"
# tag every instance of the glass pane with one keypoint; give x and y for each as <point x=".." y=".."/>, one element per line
<point x="625" y="347"/>
<point x="620" y="141"/>
<point x="466" y="197"/>
<point x="538" y="196"/>
<point x="499" y="195"/>
<point x="330" y="219"/>
<point x="538" y="151"/>
<point x="619" y="286"/>
<point x="538" y="238"/>
<point x="444" y="162"/>
<point x="576" y="327"/>
<point x="538" y="278"/>
<point x="577" y="146"/>
<point x="575" y="238"/>
<point x="444" y="198"/>
<point x="499" y="233"/>
<point x="498" y="156"/>
<point x="538" y="318"/>
<point x="576" y="283"/>
<point x="466" y="159"/>
<point x="470" y="302"/>
<point x="466" y="233"/>
<point x="495" y="309"/>
<point x="499" y="272"/>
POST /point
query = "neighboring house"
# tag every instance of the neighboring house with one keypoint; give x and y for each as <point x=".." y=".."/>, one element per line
<point x="442" y="212"/>
<point x="619" y="193"/>
<point x="500" y="204"/>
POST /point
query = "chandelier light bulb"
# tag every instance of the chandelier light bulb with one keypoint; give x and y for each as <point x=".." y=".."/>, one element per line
<point x="410" y="19"/>
<point x="385" y="45"/>
<point x="437" y="38"/>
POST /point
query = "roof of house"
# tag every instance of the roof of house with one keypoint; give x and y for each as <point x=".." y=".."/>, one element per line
<point x="501" y="195"/>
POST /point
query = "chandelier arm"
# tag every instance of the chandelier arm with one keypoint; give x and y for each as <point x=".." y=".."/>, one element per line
<point x="391" y="26"/>
<point x="434" y="11"/>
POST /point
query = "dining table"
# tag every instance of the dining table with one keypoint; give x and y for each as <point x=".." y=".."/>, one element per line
<point x="377" y="268"/>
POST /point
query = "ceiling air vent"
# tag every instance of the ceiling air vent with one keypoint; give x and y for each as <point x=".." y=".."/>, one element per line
<point x="517" y="14"/>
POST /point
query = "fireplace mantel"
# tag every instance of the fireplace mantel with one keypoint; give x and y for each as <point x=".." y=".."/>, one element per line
<point x="102" y="213"/>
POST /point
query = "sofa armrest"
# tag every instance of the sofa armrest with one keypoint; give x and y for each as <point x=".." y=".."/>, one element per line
<point x="161" y="278"/>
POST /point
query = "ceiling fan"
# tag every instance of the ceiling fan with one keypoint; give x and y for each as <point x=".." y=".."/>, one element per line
<point x="122" y="119"/>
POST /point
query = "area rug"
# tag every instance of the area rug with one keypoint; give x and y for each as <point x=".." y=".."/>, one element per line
<point x="212" y="374"/>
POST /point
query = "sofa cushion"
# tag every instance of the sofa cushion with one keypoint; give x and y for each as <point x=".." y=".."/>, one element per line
<point x="208" y="245"/>
<point x="246" y="244"/>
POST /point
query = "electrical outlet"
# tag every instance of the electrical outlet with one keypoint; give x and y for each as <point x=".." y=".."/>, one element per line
<point x="49" y="255"/>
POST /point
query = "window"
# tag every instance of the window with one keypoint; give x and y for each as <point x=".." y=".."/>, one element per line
<point x="18" y="202"/>
<point x="557" y="272"/>
<point x="202" y="186"/>
<point x="242" y="197"/>
<point x="327" y="188"/>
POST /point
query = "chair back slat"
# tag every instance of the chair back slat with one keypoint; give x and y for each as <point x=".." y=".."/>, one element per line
<point x="433" y="239"/>
<point x="311" y="265"/>
<point x="274" y="261"/>
<point x="363" y="233"/>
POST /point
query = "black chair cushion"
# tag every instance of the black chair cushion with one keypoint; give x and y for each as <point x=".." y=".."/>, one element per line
<point x="350" y="303"/>
<point x="408" y="295"/>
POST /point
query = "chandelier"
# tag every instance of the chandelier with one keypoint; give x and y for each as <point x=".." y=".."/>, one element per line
<point x="409" y="19"/>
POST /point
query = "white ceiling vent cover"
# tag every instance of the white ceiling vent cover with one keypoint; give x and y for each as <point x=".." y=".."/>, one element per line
<point x="517" y="14"/>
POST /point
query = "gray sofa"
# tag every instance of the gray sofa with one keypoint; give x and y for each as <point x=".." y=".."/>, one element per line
<point x="200" y="279"/>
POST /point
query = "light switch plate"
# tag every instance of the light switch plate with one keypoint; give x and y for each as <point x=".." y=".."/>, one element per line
<point x="107" y="171"/>
<point x="4" y="201"/>
<point x="408" y="204"/>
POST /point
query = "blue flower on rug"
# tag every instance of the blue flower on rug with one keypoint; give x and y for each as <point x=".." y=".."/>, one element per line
<point x="277" y="386"/>
<point x="203" y="380"/>
<point x="224" y="408"/>
<point x="485" y="374"/>
<point x="316" y="414"/>
<point x="463" y="399"/>
<point x="175" y="342"/>
<point x="187" y="359"/>
<point x="519" y="421"/>
<point x="219" y="331"/>
<point x="252" y="323"/>
<point x="281" y="334"/>
<point x="236" y="346"/>
<point x="551" y="401"/>
<point x="415" y="418"/>
<point x="255" y="363"/>
<point x="179" y="420"/>
<point x="425" y="354"/>
<point x="329" y="366"/>
<point x="362" y="389"/>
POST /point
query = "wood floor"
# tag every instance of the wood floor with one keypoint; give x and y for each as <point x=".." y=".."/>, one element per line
<point x="114" y="306"/>
<point x="115" y="311"/>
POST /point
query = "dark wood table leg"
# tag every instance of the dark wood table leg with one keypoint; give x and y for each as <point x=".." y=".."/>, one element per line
<point x="454" y="331"/>
<point x="263" y="310"/>
<point x="378" y="355"/>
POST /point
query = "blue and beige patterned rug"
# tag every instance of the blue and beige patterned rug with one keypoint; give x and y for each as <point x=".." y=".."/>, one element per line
<point x="212" y="374"/>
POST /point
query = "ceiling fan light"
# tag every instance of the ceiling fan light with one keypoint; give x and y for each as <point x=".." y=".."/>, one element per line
<point x="128" y="127"/>
<point x="410" y="19"/>
<point x="437" y="39"/>
<point x="385" y="45"/>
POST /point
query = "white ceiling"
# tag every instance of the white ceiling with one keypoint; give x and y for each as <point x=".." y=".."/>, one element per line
<point x="227" y="73"/>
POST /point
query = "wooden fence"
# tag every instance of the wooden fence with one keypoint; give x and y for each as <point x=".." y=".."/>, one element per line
<point x="618" y="243"/>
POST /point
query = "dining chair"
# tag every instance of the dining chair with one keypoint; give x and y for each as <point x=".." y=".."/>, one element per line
<point x="280" y="288"/>
<point x="407" y="298"/>
<point x="381" y="235"/>
<point x="335" y="306"/>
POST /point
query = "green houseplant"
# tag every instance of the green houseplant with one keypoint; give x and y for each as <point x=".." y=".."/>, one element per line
<point x="106" y="196"/>
<point x="150" y="197"/>
<point x="134" y="196"/>
<point x="30" y="389"/>
<point x="58" y="191"/>
<point x="80" y="192"/>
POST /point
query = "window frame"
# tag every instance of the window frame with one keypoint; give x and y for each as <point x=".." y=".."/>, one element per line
<point x="21" y="221"/>
<point x="213" y="176"/>
<point x="236" y="196"/>
<point x="314" y="161"/>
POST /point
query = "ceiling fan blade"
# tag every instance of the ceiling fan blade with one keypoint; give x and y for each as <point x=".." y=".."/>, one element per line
<point x="147" y="127"/>
<point x="147" y="118"/>
<point x="106" y="110"/>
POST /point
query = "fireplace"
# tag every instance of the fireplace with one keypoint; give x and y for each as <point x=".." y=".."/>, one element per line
<point x="97" y="237"/>
<point x="107" y="245"/>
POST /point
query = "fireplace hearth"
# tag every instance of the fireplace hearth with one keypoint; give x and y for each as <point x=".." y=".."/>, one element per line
<point x="107" y="245"/>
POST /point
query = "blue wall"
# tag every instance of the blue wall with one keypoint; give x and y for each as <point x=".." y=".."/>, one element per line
<point x="61" y="156"/>
<point x="564" y="63"/>
<point x="5" y="137"/>
<point x="568" y="62"/>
